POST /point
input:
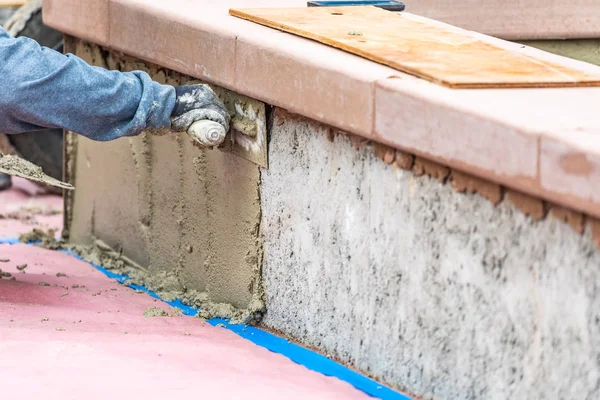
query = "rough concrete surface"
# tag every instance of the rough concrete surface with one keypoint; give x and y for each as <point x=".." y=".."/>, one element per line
<point x="169" y="206"/>
<point x="439" y="293"/>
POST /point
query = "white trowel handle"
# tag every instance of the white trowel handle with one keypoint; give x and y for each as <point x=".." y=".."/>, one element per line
<point x="207" y="133"/>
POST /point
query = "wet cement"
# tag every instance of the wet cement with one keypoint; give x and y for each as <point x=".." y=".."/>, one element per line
<point x="15" y="165"/>
<point x="188" y="218"/>
<point x="166" y="284"/>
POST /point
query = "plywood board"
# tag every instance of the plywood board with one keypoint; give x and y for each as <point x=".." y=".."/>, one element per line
<point x="12" y="3"/>
<point x="420" y="47"/>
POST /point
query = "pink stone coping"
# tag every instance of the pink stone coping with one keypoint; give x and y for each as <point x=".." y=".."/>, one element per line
<point x="539" y="141"/>
<point x="517" y="19"/>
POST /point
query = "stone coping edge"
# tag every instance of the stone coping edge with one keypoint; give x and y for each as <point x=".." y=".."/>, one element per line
<point x="538" y="141"/>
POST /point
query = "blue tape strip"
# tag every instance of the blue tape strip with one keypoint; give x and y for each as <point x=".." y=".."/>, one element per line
<point x="298" y="354"/>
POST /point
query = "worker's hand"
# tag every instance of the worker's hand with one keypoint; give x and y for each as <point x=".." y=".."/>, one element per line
<point x="196" y="103"/>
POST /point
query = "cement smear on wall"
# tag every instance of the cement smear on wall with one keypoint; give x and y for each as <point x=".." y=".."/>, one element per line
<point x="189" y="217"/>
<point x="438" y="293"/>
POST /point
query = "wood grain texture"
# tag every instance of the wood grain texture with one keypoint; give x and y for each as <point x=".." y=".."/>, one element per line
<point x="423" y="48"/>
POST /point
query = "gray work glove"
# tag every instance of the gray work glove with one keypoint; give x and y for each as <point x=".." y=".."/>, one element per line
<point x="196" y="103"/>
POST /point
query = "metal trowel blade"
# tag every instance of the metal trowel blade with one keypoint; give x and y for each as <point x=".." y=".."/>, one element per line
<point x="15" y="166"/>
<point x="247" y="137"/>
<point x="252" y="149"/>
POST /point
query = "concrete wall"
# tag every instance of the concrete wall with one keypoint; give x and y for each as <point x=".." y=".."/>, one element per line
<point x="436" y="292"/>
<point x="439" y="293"/>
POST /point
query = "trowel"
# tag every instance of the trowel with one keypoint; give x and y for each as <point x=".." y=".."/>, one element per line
<point x="247" y="137"/>
<point x="206" y="133"/>
<point x="15" y="166"/>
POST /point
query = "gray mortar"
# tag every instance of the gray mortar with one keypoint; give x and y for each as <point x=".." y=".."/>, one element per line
<point x="432" y="291"/>
<point x="166" y="284"/>
<point x="189" y="217"/>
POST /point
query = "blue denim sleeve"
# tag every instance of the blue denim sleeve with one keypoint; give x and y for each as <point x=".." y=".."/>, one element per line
<point x="41" y="88"/>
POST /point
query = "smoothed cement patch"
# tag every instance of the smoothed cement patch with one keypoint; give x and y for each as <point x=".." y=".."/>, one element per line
<point x="436" y="292"/>
<point x="189" y="215"/>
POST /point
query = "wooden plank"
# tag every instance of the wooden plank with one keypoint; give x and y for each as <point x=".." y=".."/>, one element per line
<point x="12" y="3"/>
<point x="420" y="47"/>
